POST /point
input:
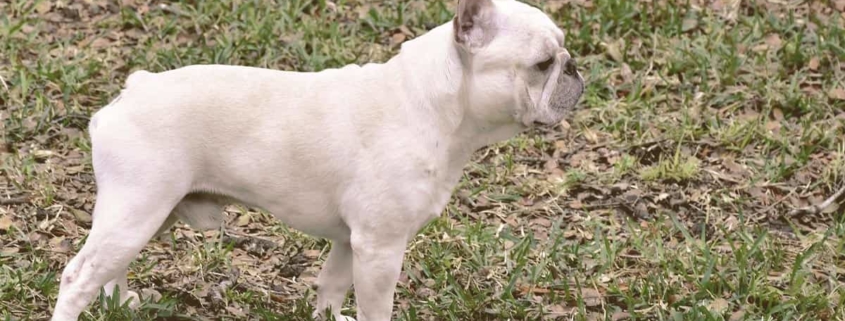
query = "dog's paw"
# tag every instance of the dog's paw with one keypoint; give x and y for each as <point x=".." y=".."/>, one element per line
<point x="320" y="317"/>
<point x="134" y="299"/>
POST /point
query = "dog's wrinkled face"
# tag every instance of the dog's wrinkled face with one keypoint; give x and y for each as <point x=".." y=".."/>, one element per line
<point x="521" y="70"/>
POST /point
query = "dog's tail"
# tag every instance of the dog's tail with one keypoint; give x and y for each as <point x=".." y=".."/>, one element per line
<point x="133" y="78"/>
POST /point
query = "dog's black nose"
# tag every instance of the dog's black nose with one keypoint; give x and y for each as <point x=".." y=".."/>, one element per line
<point x="569" y="67"/>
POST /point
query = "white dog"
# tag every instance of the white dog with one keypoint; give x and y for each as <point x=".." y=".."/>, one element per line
<point x="361" y="155"/>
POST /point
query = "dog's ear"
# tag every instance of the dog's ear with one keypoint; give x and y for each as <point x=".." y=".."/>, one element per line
<point x="473" y="23"/>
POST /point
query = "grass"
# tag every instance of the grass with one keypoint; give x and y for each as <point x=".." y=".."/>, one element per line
<point x="664" y="198"/>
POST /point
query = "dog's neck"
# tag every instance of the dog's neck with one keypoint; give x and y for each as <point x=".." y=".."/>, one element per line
<point x="441" y="92"/>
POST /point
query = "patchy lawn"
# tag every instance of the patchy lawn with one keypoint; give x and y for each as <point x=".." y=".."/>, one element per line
<point x="665" y="198"/>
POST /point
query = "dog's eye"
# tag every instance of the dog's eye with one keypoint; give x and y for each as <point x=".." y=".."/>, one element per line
<point x="543" y="66"/>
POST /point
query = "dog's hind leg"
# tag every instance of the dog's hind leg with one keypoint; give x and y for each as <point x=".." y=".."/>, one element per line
<point x="334" y="282"/>
<point x="135" y="198"/>
<point x="125" y="219"/>
<point x="200" y="211"/>
<point x="120" y="283"/>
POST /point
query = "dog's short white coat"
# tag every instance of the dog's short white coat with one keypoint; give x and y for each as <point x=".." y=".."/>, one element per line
<point x="362" y="155"/>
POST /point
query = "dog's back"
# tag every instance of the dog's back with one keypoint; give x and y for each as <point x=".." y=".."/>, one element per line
<point x="218" y="130"/>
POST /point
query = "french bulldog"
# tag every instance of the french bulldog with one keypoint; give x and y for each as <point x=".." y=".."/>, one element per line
<point x="363" y="155"/>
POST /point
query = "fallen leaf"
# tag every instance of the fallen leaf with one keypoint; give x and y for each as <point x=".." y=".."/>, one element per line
<point x="689" y="24"/>
<point x="398" y="38"/>
<point x="583" y="196"/>
<point x="557" y="311"/>
<point x="591" y="136"/>
<point x="308" y="279"/>
<point x="731" y="223"/>
<point x="773" y="127"/>
<point x="839" y="5"/>
<point x="627" y="73"/>
<point x="243" y="220"/>
<point x="81" y="215"/>
<point x="672" y="298"/>
<point x="60" y="244"/>
<point x="331" y="6"/>
<point x="777" y="114"/>
<point x="620" y="187"/>
<point x="405" y="30"/>
<point x="564" y="126"/>
<point x="556" y="5"/>
<point x="237" y="311"/>
<point x="43" y="7"/>
<point x="813" y="64"/>
<point x="737" y="316"/>
<point x="311" y="254"/>
<point x="526" y="201"/>
<point x="509" y="244"/>
<point x="837" y="94"/>
<point x="551" y="164"/>
<point x="718" y="305"/>
<point x="620" y="316"/>
<point x="203" y="291"/>
<point x="544" y="222"/>
<point x="773" y="41"/>
<point x="591" y="297"/>
<point x="831" y="209"/>
<point x="151" y="294"/>
<point x="613" y="50"/>
<point x="561" y="146"/>
<point x="6" y="222"/>
<point x="727" y="9"/>
<point x="42" y="154"/>
<point x="9" y="250"/>
<point x="100" y="43"/>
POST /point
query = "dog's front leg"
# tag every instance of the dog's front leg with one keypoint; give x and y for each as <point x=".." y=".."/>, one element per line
<point x="377" y="263"/>
<point x="334" y="281"/>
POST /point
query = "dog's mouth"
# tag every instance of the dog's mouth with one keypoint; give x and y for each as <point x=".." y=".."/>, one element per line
<point x="543" y="124"/>
<point x="563" y="114"/>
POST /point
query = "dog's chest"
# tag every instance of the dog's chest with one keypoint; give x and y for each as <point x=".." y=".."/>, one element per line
<point x="441" y="196"/>
<point x="436" y="190"/>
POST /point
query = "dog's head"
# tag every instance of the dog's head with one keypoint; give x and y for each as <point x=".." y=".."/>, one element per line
<point x="519" y="69"/>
